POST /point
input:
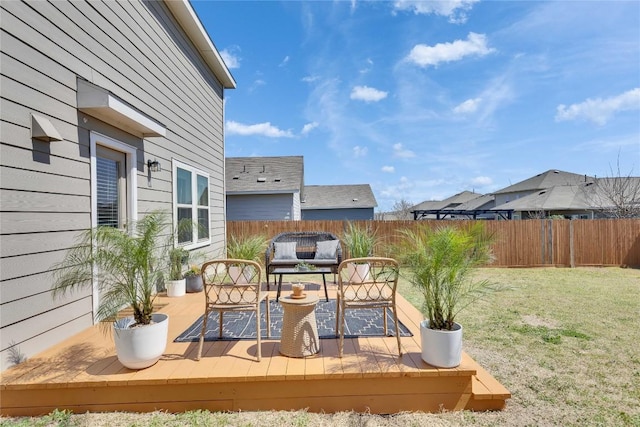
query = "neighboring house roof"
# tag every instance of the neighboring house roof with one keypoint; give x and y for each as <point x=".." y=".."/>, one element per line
<point x="189" y="21"/>
<point x="451" y="202"/>
<point x="485" y="201"/>
<point x="556" y="198"/>
<point x="548" y="179"/>
<point x="338" y="197"/>
<point x="264" y="175"/>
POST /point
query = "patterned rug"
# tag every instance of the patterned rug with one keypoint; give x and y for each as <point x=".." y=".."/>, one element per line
<point x="242" y="325"/>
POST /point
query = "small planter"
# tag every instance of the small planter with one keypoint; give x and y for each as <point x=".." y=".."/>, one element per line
<point x="176" y="288"/>
<point x="194" y="284"/>
<point x="238" y="275"/>
<point x="358" y="273"/>
<point x="442" y="349"/>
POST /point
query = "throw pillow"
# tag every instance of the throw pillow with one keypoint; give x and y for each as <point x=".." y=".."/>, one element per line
<point x="285" y="250"/>
<point x="326" y="249"/>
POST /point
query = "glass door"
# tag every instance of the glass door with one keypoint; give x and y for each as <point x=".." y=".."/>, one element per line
<point x="111" y="186"/>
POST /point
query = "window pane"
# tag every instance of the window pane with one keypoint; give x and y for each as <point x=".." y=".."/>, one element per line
<point x="203" y="224"/>
<point x="185" y="234"/>
<point x="183" y="187"/>
<point x="203" y="191"/>
<point x="107" y="186"/>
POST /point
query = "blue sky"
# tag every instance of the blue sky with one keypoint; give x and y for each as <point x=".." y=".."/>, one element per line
<point x="424" y="99"/>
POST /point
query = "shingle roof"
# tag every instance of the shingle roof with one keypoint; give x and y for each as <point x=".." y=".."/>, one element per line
<point x="338" y="197"/>
<point x="485" y="201"/>
<point x="264" y="175"/>
<point x="451" y="202"/>
<point x="557" y="198"/>
<point x="546" y="179"/>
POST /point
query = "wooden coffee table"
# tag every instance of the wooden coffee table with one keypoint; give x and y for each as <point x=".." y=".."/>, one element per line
<point x="318" y="270"/>
<point x="299" y="329"/>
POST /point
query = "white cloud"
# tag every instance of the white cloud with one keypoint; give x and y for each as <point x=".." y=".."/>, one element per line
<point x="360" y="151"/>
<point x="468" y="106"/>
<point x="455" y="10"/>
<point x="481" y="181"/>
<point x="284" y="62"/>
<point x="264" y="129"/>
<point x="388" y="169"/>
<point x="310" y="79"/>
<point x="423" y="55"/>
<point x="399" y="151"/>
<point x="231" y="57"/>
<point x="309" y="127"/>
<point x="367" y="94"/>
<point x="599" y="110"/>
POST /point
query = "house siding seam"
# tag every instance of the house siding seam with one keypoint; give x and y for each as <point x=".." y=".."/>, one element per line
<point x="136" y="51"/>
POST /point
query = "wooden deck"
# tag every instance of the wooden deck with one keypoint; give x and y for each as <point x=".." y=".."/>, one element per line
<point x="83" y="374"/>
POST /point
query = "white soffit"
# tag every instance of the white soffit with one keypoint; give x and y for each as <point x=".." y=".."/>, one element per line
<point x="43" y="130"/>
<point x="190" y="23"/>
<point x="101" y="104"/>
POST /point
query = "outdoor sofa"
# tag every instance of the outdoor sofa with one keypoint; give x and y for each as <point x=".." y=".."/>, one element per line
<point x="317" y="248"/>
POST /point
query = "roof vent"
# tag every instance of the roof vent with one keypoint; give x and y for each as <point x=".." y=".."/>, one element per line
<point x="354" y="199"/>
<point x="236" y="177"/>
<point x="542" y="192"/>
<point x="261" y="179"/>
<point x="276" y="179"/>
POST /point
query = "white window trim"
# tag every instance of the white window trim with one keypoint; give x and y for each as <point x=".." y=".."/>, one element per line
<point x="175" y="164"/>
<point x="130" y="152"/>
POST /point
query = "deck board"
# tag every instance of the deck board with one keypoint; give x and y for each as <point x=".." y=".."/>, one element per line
<point x="83" y="374"/>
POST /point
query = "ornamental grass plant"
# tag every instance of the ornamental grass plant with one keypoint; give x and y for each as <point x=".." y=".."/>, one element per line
<point x="359" y="241"/>
<point x="249" y="248"/>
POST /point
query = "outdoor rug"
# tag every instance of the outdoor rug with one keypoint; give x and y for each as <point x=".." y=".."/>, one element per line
<point x="242" y="325"/>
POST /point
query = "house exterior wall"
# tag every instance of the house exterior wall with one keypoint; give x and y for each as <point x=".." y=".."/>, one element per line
<point x="138" y="52"/>
<point x="256" y="207"/>
<point x="361" y="214"/>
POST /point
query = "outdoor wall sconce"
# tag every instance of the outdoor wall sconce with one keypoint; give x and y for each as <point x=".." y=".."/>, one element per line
<point x="154" y="166"/>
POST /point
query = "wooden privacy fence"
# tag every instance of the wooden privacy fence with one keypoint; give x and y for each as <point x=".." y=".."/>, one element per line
<point x="522" y="243"/>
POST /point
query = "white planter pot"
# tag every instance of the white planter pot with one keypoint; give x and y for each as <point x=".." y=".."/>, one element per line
<point x="142" y="346"/>
<point x="176" y="288"/>
<point x="442" y="349"/>
<point x="237" y="275"/>
<point x="358" y="273"/>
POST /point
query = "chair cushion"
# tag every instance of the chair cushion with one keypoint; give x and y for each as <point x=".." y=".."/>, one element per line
<point x="326" y="249"/>
<point x="285" y="250"/>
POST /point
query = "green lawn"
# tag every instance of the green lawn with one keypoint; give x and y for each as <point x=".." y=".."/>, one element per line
<point x="565" y="342"/>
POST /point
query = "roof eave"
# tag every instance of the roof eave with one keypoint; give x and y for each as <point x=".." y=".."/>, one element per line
<point x="188" y="19"/>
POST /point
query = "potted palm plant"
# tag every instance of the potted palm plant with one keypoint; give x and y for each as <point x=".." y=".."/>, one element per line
<point x="441" y="262"/>
<point x="126" y="266"/>
<point x="359" y="242"/>
<point x="247" y="248"/>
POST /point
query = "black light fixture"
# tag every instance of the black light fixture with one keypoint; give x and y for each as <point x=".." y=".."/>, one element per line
<point x="154" y="166"/>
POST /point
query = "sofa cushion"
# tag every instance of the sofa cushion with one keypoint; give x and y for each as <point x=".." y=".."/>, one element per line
<point x="326" y="249"/>
<point x="285" y="250"/>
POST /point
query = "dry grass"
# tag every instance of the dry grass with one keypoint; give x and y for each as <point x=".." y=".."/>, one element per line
<point x="565" y="342"/>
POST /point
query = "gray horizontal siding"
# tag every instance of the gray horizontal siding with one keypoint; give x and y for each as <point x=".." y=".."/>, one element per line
<point x="363" y="214"/>
<point x="136" y="51"/>
<point x="260" y="207"/>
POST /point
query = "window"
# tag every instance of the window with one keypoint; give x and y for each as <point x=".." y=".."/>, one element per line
<point x="191" y="205"/>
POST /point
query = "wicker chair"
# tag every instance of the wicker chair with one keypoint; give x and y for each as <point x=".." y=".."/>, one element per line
<point x="367" y="283"/>
<point x="233" y="285"/>
<point x="305" y="251"/>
